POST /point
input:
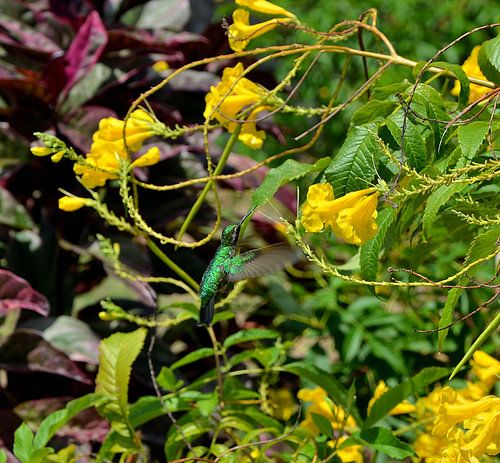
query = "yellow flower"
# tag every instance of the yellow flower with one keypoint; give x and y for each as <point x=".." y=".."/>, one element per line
<point x="231" y="96"/>
<point x="160" y="66"/>
<point x="241" y="31"/>
<point x="263" y="6"/>
<point x="472" y="69"/>
<point x="108" y="147"/>
<point x="380" y="390"/>
<point x="352" y="217"/>
<point x="71" y="203"/>
<point x="56" y="156"/>
<point x="321" y="405"/>
<point x="428" y="447"/>
<point x="282" y="404"/>
<point x="149" y="158"/>
<point x="351" y="454"/>
<point x="485" y="368"/>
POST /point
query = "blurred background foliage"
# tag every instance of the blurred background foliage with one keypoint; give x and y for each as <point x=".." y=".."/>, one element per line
<point x="48" y="82"/>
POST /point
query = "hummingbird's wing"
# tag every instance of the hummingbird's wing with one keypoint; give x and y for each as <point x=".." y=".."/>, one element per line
<point x="258" y="262"/>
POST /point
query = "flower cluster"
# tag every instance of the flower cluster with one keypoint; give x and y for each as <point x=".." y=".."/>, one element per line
<point x="462" y="426"/>
<point x="109" y="147"/>
<point x="241" y="31"/>
<point x="351" y="217"/>
<point x="472" y="69"/>
<point x="342" y="423"/>
<point x="232" y="95"/>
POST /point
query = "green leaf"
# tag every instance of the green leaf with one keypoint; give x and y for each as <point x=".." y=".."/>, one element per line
<point x="167" y="380"/>
<point x="321" y="378"/>
<point x="288" y="171"/>
<point x="324" y="425"/>
<point x="12" y="213"/>
<point x="207" y="404"/>
<point x="483" y="245"/>
<point x="249" y="335"/>
<point x="397" y="394"/>
<point x="435" y="201"/>
<point x="447" y="314"/>
<point x="381" y="349"/>
<point x="117" y="354"/>
<point x="23" y="443"/>
<point x="3" y="457"/>
<point x="489" y="330"/>
<point x="373" y="110"/>
<point x="414" y="147"/>
<point x="369" y="252"/>
<point x="194" y="356"/>
<point x="470" y="137"/>
<point x="456" y="69"/>
<point x="354" y="165"/>
<point x="489" y="59"/>
<point x="56" y="420"/>
<point x="381" y="440"/>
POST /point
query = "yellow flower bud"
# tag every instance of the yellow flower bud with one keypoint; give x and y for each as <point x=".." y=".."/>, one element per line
<point x="71" y="203"/>
<point x="41" y="150"/>
<point x="149" y="158"/>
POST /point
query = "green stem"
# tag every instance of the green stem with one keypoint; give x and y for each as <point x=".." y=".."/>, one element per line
<point x="172" y="265"/>
<point x="218" y="169"/>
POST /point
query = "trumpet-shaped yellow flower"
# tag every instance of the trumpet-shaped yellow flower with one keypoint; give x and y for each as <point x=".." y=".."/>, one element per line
<point x="241" y="31"/>
<point x="486" y="369"/>
<point x="472" y="69"/>
<point x="108" y="147"/>
<point x="231" y="96"/>
<point x="263" y="6"/>
<point x="351" y="454"/>
<point x="352" y="217"/>
<point x="71" y="203"/>
<point x="402" y="408"/>
<point x="321" y="405"/>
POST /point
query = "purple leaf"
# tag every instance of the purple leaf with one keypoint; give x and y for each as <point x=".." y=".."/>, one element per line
<point x="82" y="55"/>
<point x="26" y="350"/>
<point x="16" y="293"/>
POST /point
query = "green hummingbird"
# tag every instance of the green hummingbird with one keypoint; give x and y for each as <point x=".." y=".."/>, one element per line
<point x="228" y="265"/>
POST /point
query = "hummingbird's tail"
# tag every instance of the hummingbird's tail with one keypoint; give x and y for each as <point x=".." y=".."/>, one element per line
<point x="207" y="312"/>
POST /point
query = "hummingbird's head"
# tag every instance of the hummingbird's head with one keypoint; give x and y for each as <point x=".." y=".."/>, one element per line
<point x="231" y="232"/>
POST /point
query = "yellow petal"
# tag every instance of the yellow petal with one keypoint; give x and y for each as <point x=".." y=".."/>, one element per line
<point x="160" y="66"/>
<point x="41" y="150"/>
<point x="71" y="203"/>
<point x="149" y="158"/>
<point x="263" y="6"/>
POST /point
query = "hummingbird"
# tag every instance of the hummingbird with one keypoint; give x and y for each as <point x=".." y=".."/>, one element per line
<point x="228" y="265"/>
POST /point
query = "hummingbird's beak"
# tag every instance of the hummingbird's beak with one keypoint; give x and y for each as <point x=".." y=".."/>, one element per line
<point x="248" y="214"/>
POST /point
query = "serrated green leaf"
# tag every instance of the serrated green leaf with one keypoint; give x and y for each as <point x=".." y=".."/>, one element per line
<point x="369" y="252"/>
<point x="373" y="110"/>
<point x="354" y="165"/>
<point x="483" y="245"/>
<point x="435" y="201"/>
<point x="23" y="443"/>
<point x="414" y="147"/>
<point x="470" y="138"/>
<point x="397" y="394"/>
<point x="324" y="425"/>
<point x="382" y="440"/>
<point x="253" y="334"/>
<point x="117" y="354"/>
<point x="56" y="420"/>
<point x="447" y="314"/>
<point x="321" y="378"/>
<point x="489" y="59"/>
<point x="194" y="356"/>
<point x="288" y="171"/>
